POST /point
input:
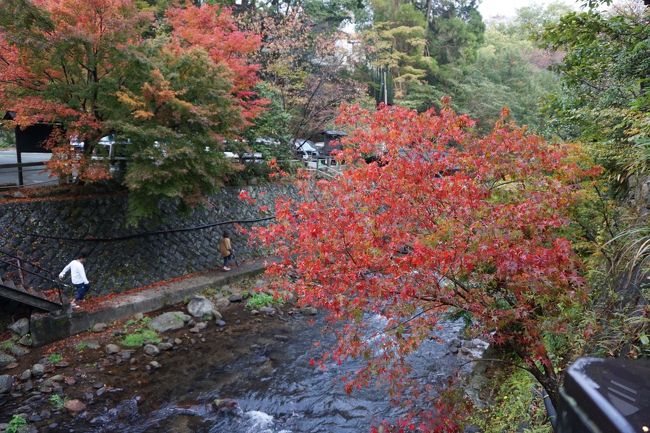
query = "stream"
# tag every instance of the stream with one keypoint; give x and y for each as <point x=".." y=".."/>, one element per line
<point x="275" y="388"/>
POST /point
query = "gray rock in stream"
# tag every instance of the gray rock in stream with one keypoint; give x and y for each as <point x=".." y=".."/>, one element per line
<point x="20" y="326"/>
<point x="17" y="350"/>
<point x="112" y="349"/>
<point x="202" y="308"/>
<point x="5" y="360"/>
<point x="38" y="370"/>
<point x="6" y="381"/>
<point x="169" y="321"/>
<point x="151" y="350"/>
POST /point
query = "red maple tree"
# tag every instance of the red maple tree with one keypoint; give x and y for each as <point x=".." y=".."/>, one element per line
<point x="440" y="221"/>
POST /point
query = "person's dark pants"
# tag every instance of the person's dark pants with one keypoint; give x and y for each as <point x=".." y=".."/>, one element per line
<point x="227" y="259"/>
<point x="82" y="289"/>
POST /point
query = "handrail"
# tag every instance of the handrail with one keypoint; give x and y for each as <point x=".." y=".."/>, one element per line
<point x="22" y="164"/>
<point x="57" y="283"/>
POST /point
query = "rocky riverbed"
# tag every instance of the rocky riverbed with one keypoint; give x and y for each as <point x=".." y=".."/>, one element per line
<point x="210" y="365"/>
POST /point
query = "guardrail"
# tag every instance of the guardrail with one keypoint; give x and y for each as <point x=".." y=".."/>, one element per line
<point x="20" y="169"/>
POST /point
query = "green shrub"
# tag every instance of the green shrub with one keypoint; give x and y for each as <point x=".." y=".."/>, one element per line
<point x="140" y="338"/>
<point x="57" y="401"/>
<point x="81" y="346"/>
<point x="55" y="357"/>
<point x="513" y="407"/>
<point x="259" y="300"/>
<point x="6" y="345"/>
<point x="141" y="322"/>
<point x="17" y="424"/>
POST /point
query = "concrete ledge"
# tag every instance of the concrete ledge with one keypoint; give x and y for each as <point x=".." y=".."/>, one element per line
<point x="47" y="328"/>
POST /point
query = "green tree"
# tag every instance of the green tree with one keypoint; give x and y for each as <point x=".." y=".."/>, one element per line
<point x="606" y="74"/>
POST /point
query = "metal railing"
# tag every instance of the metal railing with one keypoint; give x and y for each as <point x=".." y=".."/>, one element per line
<point x="15" y="261"/>
<point x="20" y="170"/>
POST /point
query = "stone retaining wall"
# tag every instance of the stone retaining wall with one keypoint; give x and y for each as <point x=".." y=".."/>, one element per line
<point x="121" y="265"/>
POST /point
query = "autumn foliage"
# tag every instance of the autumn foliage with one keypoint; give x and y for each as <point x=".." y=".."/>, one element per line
<point x="441" y="221"/>
<point x="171" y="86"/>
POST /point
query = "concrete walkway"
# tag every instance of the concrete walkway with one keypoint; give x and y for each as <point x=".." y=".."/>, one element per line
<point x="47" y="328"/>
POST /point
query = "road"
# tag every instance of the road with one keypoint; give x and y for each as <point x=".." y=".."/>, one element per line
<point x="31" y="175"/>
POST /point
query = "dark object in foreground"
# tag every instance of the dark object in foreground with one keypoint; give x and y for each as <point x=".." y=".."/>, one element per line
<point x="605" y="396"/>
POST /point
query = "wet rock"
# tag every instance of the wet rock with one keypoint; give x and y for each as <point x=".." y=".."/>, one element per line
<point x="155" y="365"/>
<point x="220" y="323"/>
<point x="455" y="342"/>
<point x="6" y="381"/>
<point x="165" y="346"/>
<point x="25" y="340"/>
<point x="453" y="350"/>
<point x="28" y="386"/>
<point x="90" y="344"/>
<point x="38" y="370"/>
<point x="100" y="391"/>
<point x="126" y="354"/>
<point x="20" y="327"/>
<point x="222" y="303"/>
<point x="17" y="350"/>
<point x="5" y="360"/>
<point x="112" y="349"/>
<point x="169" y="321"/>
<point x="117" y="332"/>
<point x="309" y="311"/>
<point x="98" y="385"/>
<point x="235" y="298"/>
<point x="99" y="327"/>
<point x="25" y="375"/>
<point x="74" y="406"/>
<point x="202" y="307"/>
<point x="151" y="350"/>
<point x="225" y="405"/>
<point x="269" y="311"/>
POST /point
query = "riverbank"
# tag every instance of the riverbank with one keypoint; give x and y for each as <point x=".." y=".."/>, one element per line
<point x="66" y="385"/>
<point x="189" y="368"/>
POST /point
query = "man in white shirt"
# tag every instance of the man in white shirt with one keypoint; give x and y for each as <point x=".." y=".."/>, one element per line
<point x="78" y="277"/>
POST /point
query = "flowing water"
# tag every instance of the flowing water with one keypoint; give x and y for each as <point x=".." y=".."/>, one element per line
<point x="267" y="384"/>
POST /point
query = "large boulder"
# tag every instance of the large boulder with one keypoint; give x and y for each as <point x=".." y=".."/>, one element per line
<point x="5" y="383"/>
<point x="20" y="326"/>
<point x="169" y="321"/>
<point x="203" y="308"/>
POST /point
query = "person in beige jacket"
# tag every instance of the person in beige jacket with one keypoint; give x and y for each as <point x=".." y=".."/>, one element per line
<point x="225" y="248"/>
